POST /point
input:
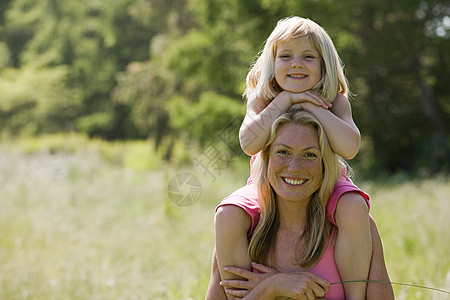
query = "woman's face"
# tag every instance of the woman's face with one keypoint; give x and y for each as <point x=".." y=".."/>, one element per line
<point x="295" y="163"/>
<point x="297" y="65"/>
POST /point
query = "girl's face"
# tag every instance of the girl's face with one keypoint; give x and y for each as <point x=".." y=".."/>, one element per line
<point x="297" y="65"/>
<point x="295" y="164"/>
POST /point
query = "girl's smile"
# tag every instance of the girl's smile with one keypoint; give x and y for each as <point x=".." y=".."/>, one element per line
<point x="297" y="65"/>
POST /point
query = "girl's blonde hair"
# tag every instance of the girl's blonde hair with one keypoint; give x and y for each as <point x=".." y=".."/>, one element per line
<point x="317" y="228"/>
<point x="261" y="78"/>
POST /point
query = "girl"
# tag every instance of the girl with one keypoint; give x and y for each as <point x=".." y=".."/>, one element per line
<point x="299" y="65"/>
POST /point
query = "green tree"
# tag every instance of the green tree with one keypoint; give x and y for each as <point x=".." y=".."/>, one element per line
<point x="171" y="69"/>
<point x="399" y="58"/>
<point x="91" y="41"/>
<point x="145" y="87"/>
<point x="193" y="66"/>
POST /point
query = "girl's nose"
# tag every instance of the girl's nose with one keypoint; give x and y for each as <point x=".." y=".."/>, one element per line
<point x="297" y="63"/>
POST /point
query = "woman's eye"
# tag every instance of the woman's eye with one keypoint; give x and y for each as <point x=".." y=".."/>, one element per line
<point x="282" y="152"/>
<point x="311" y="155"/>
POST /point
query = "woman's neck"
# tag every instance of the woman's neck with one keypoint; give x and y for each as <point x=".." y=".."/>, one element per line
<point x="293" y="215"/>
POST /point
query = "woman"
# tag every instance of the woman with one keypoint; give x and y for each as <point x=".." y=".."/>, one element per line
<point x="294" y="238"/>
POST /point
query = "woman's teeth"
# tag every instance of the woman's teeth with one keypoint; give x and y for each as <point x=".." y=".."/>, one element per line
<point x="294" y="182"/>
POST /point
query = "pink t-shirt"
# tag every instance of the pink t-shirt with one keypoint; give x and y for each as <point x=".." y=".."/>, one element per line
<point x="247" y="199"/>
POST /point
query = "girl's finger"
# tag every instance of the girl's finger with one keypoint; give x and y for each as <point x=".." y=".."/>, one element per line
<point x="323" y="103"/>
<point x="316" y="100"/>
<point x="320" y="100"/>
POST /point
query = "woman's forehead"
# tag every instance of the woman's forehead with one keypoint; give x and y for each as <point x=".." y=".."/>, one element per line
<point x="296" y="135"/>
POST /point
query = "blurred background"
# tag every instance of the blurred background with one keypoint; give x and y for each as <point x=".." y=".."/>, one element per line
<point x="171" y="70"/>
<point x="103" y="103"/>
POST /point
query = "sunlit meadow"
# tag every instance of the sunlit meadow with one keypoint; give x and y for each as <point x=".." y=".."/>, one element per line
<point x="86" y="222"/>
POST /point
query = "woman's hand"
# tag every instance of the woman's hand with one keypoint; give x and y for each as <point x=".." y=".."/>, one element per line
<point x="270" y="284"/>
<point x="299" y="286"/>
<point x="241" y="288"/>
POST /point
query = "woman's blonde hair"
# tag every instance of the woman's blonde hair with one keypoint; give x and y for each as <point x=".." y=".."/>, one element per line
<point x="316" y="231"/>
<point x="261" y="79"/>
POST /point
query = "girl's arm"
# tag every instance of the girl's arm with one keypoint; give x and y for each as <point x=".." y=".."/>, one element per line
<point x="231" y="226"/>
<point x="353" y="251"/>
<point x="260" y="115"/>
<point x="341" y="130"/>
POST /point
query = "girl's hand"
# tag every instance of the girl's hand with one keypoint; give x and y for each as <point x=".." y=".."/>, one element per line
<point x="241" y="288"/>
<point x="308" y="96"/>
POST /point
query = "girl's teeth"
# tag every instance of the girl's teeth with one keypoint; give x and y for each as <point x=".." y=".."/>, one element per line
<point x="294" y="182"/>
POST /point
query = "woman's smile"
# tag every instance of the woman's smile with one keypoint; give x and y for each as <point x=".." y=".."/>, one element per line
<point x="295" y="163"/>
<point x="295" y="182"/>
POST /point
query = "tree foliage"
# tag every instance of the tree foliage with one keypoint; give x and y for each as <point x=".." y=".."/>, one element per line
<point x="175" y="69"/>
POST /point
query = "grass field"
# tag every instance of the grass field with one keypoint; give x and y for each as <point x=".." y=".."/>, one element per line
<point x="74" y="225"/>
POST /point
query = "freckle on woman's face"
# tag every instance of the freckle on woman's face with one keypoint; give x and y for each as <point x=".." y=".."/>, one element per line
<point x="295" y="163"/>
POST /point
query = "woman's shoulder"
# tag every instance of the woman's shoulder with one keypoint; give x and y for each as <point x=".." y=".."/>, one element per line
<point x="245" y="198"/>
<point x="342" y="187"/>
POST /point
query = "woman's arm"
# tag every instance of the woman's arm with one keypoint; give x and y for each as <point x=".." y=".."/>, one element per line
<point x="215" y="291"/>
<point x="341" y="130"/>
<point x="375" y="291"/>
<point x="231" y="226"/>
<point x="269" y="284"/>
<point x="378" y="269"/>
<point x="353" y="249"/>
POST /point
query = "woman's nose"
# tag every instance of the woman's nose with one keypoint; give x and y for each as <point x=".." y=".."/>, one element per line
<point x="295" y="163"/>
